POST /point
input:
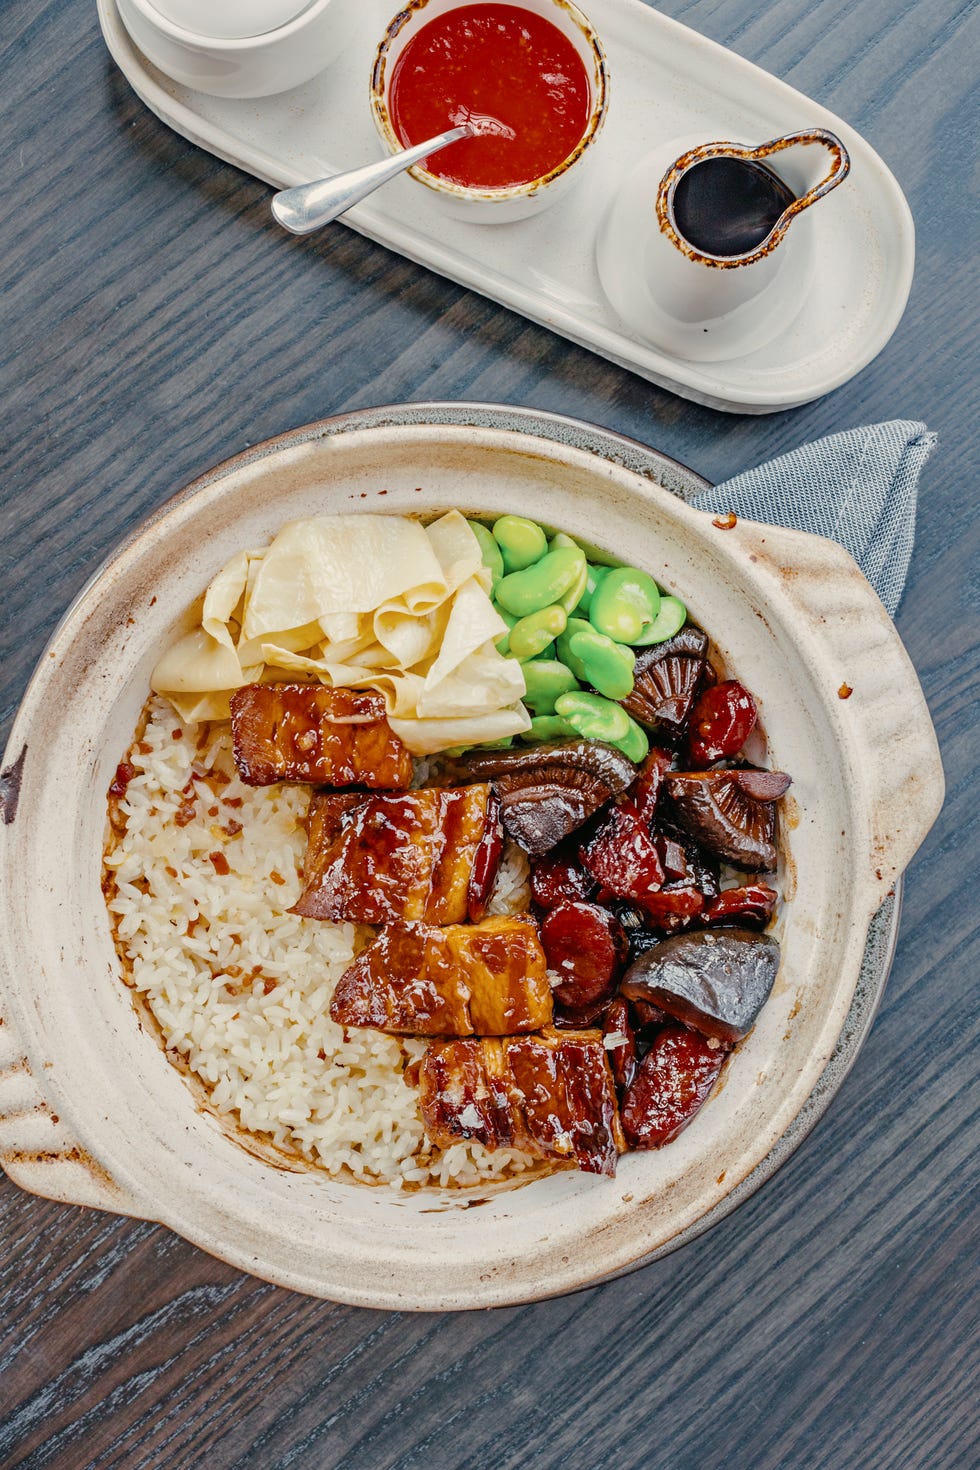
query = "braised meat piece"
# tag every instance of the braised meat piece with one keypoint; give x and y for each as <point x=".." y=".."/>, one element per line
<point x="551" y="1095"/>
<point x="619" y="1040"/>
<point x="623" y="854"/>
<point x="307" y="732"/>
<point x="753" y="903"/>
<point x="672" y="908"/>
<point x="673" y="1081"/>
<point x="558" y="875"/>
<point x="413" y="855"/>
<point x="484" y="979"/>
<point x="644" y="794"/>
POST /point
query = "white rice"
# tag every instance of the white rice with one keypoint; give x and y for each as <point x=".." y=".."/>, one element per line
<point x="241" y="989"/>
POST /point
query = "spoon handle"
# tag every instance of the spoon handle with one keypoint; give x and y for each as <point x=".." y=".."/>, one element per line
<point x="308" y="206"/>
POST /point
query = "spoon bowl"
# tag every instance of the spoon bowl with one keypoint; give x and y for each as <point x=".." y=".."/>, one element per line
<point x="306" y="207"/>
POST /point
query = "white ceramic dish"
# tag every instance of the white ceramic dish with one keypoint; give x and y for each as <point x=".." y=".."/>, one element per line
<point x="91" y="1111"/>
<point x="239" y="66"/>
<point x="518" y="201"/>
<point x="230" y="19"/>
<point x="665" y="81"/>
<point x="703" y="314"/>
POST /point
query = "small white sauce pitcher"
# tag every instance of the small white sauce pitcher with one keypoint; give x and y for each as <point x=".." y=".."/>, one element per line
<point x="692" y="303"/>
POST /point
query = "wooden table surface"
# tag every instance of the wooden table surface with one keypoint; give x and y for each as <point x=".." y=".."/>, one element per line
<point x="153" y="322"/>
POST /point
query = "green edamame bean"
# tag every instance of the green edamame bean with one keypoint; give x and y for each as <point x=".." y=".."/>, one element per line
<point x="593" y="577"/>
<point x="625" y="602"/>
<point x="571" y="599"/>
<point x="669" y="620"/>
<point x="564" y="650"/>
<point x="545" y="681"/>
<point x="502" y="644"/>
<point x="608" y="665"/>
<point x="489" y="550"/>
<point x="593" y="716"/>
<point x="539" y="586"/>
<point x="521" y="542"/>
<point x="531" y="635"/>
<point x="549" y="727"/>
<point x="561" y="538"/>
<point x="634" y="743"/>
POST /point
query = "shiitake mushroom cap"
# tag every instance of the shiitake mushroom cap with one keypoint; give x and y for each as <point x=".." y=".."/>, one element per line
<point x="716" y="981"/>
<point x="603" y="762"/>
<point x="666" y="679"/>
<point x="731" y="812"/>
<point x="548" y="790"/>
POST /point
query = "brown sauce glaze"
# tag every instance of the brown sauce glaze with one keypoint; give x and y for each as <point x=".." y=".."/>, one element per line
<point x="308" y="732"/>
<point x="404" y="856"/>
<point x="551" y="1095"/>
<point x="484" y="979"/>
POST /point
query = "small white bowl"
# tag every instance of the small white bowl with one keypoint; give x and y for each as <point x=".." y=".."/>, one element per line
<point x="517" y="201"/>
<point x="242" y="66"/>
<point x="231" y="20"/>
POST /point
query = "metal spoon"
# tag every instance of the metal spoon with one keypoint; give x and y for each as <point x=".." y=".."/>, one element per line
<point x="308" y="206"/>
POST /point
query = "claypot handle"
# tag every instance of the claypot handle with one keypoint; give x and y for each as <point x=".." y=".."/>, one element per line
<point x="883" y="720"/>
<point x="37" y="1151"/>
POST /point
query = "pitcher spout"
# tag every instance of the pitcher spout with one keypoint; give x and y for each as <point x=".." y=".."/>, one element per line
<point x="722" y="205"/>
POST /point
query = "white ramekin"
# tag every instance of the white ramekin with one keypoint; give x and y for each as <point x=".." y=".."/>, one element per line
<point x="250" y="66"/>
<point x="518" y="201"/>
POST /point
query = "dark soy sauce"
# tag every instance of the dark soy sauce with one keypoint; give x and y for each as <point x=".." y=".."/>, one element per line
<point x="727" y="206"/>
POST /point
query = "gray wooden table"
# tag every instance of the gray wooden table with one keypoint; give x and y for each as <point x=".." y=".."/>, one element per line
<point x="152" y="322"/>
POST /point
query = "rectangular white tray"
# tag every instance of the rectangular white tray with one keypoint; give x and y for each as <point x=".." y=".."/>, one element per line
<point x="666" y="81"/>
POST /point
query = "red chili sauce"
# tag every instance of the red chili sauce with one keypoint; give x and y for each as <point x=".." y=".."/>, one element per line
<point x="501" y="61"/>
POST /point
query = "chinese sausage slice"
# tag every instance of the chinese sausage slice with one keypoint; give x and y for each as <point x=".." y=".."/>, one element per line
<point x="307" y="732"/>
<point x="551" y="1095"/>
<point x="670" y="1087"/>
<point x="430" y="855"/>
<point x="487" y="979"/>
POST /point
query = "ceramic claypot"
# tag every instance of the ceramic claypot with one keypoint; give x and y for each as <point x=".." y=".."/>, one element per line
<point x="90" y="1109"/>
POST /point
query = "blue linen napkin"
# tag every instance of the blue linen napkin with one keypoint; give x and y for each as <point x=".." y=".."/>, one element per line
<point x="858" y="488"/>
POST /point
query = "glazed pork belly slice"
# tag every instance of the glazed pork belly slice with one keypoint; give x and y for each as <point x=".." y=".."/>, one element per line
<point x="551" y="1095"/>
<point x="428" y="855"/>
<point x="307" y="732"/>
<point x="487" y="979"/>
